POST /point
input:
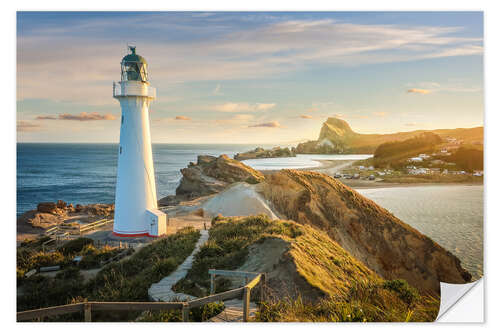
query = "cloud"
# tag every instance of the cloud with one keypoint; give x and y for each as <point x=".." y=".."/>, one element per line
<point x="306" y="116"/>
<point x="272" y="124"/>
<point x="46" y="118"/>
<point x="216" y="90"/>
<point x="182" y="118"/>
<point x="86" y="62"/>
<point x="26" y="126"/>
<point x="243" y="107"/>
<point x="83" y="116"/>
<point x="380" y="114"/>
<point x="264" y="106"/>
<point x="418" y="91"/>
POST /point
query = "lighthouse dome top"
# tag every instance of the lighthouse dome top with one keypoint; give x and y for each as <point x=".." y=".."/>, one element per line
<point x="134" y="57"/>
<point x="134" y="67"/>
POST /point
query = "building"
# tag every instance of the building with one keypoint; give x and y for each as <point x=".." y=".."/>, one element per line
<point x="136" y="212"/>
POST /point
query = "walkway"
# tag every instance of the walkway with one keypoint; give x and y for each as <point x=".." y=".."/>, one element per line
<point x="233" y="312"/>
<point x="162" y="291"/>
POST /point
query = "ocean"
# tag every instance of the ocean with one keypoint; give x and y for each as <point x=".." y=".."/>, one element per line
<point x="452" y="215"/>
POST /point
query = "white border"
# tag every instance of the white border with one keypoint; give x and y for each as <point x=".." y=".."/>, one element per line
<point x="492" y="119"/>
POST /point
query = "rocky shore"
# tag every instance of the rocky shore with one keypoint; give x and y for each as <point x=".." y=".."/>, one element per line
<point x="49" y="214"/>
<point x="265" y="153"/>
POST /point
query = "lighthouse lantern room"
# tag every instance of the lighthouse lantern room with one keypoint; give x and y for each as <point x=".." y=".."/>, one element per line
<point x="136" y="212"/>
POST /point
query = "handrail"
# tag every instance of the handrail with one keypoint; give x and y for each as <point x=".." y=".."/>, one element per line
<point x="87" y="307"/>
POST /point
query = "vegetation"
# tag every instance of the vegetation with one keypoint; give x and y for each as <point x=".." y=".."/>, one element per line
<point x="126" y="280"/>
<point x="227" y="248"/>
<point x="392" y="301"/>
<point x="395" y="154"/>
<point x="468" y="159"/>
<point x="344" y="289"/>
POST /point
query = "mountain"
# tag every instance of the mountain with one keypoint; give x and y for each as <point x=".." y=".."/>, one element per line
<point x="336" y="136"/>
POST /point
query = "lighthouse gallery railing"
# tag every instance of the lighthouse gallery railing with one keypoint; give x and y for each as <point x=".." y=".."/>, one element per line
<point x="133" y="89"/>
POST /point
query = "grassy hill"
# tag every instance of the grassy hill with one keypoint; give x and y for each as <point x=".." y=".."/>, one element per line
<point x="310" y="276"/>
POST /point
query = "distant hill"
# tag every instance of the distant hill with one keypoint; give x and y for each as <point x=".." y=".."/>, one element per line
<point x="336" y="136"/>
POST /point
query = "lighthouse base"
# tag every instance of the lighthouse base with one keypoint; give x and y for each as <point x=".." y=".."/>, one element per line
<point x="155" y="224"/>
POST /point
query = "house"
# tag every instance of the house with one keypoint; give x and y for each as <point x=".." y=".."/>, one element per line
<point x="415" y="159"/>
<point x="419" y="171"/>
<point x="478" y="173"/>
<point x="361" y="167"/>
<point x="424" y="156"/>
<point x="371" y="167"/>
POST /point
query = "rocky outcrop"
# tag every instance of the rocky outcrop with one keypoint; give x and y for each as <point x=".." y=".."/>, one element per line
<point x="265" y="153"/>
<point x="337" y="137"/>
<point x="213" y="174"/>
<point x="367" y="231"/>
<point x="49" y="214"/>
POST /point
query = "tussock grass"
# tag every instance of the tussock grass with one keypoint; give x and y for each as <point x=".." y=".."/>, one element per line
<point x="365" y="302"/>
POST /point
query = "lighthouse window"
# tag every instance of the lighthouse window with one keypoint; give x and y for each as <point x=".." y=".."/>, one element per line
<point x="122" y="119"/>
<point x="120" y="149"/>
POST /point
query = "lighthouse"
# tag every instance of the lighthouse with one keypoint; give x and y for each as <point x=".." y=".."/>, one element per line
<point x="136" y="211"/>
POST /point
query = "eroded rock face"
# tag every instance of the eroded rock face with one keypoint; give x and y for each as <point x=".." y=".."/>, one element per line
<point x="367" y="231"/>
<point x="213" y="174"/>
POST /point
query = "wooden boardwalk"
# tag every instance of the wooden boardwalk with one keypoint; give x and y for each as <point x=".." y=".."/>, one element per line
<point x="233" y="312"/>
<point x="162" y="291"/>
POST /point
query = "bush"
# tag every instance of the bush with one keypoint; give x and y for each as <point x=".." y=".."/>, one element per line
<point x="406" y="292"/>
<point x="74" y="246"/>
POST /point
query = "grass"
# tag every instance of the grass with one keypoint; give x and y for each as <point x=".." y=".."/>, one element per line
<point x="126" y="280"/>
<point x="227" y="248"/>
<point x="350" y="291"/>
<point x="366" y="302"/>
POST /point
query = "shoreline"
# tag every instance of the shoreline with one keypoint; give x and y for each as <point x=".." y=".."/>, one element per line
<point x="330" y="167"/>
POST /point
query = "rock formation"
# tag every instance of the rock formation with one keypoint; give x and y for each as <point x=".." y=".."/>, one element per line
<point x="49" y="214"/>
<point x="337" y="137"/>
<point x="367" y="231"/>
<point x="212" y="174"/>
<point x="265" y="153"/>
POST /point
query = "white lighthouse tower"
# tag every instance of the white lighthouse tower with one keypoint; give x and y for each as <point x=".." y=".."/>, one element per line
<point x="136" y="212"/>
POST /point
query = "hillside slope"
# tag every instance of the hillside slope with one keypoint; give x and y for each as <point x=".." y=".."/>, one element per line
<point x="367" y="231"/>
<point x="336" y="136"/>
<point x="304" y="264"/>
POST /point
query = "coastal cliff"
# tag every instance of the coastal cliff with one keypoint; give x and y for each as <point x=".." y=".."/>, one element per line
<point x="367" y="231"/>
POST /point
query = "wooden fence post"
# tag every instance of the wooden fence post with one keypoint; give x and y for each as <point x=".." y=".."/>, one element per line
<point x="87" y="308"/>
<point x="185" y="312"/>
<point x="262" y="287"/>
<point x="212" y="284"/>
<point x="246" y="304"/>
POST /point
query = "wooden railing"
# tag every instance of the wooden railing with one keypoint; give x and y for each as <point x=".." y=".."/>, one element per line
<point x="94" y="225"/>
<point x="88" y="307"/>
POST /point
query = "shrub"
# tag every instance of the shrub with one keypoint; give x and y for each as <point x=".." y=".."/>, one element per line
<point x="74" y="246"/>
<point x="406" y="292"/>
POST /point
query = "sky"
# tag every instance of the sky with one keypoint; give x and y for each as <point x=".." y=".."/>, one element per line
<point x="250" y="77"/>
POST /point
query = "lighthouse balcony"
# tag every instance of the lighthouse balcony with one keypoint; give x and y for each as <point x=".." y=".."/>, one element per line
<point x="133" y="89"/>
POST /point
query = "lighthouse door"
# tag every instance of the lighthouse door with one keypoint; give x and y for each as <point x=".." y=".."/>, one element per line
<point x="153" y="226"/>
